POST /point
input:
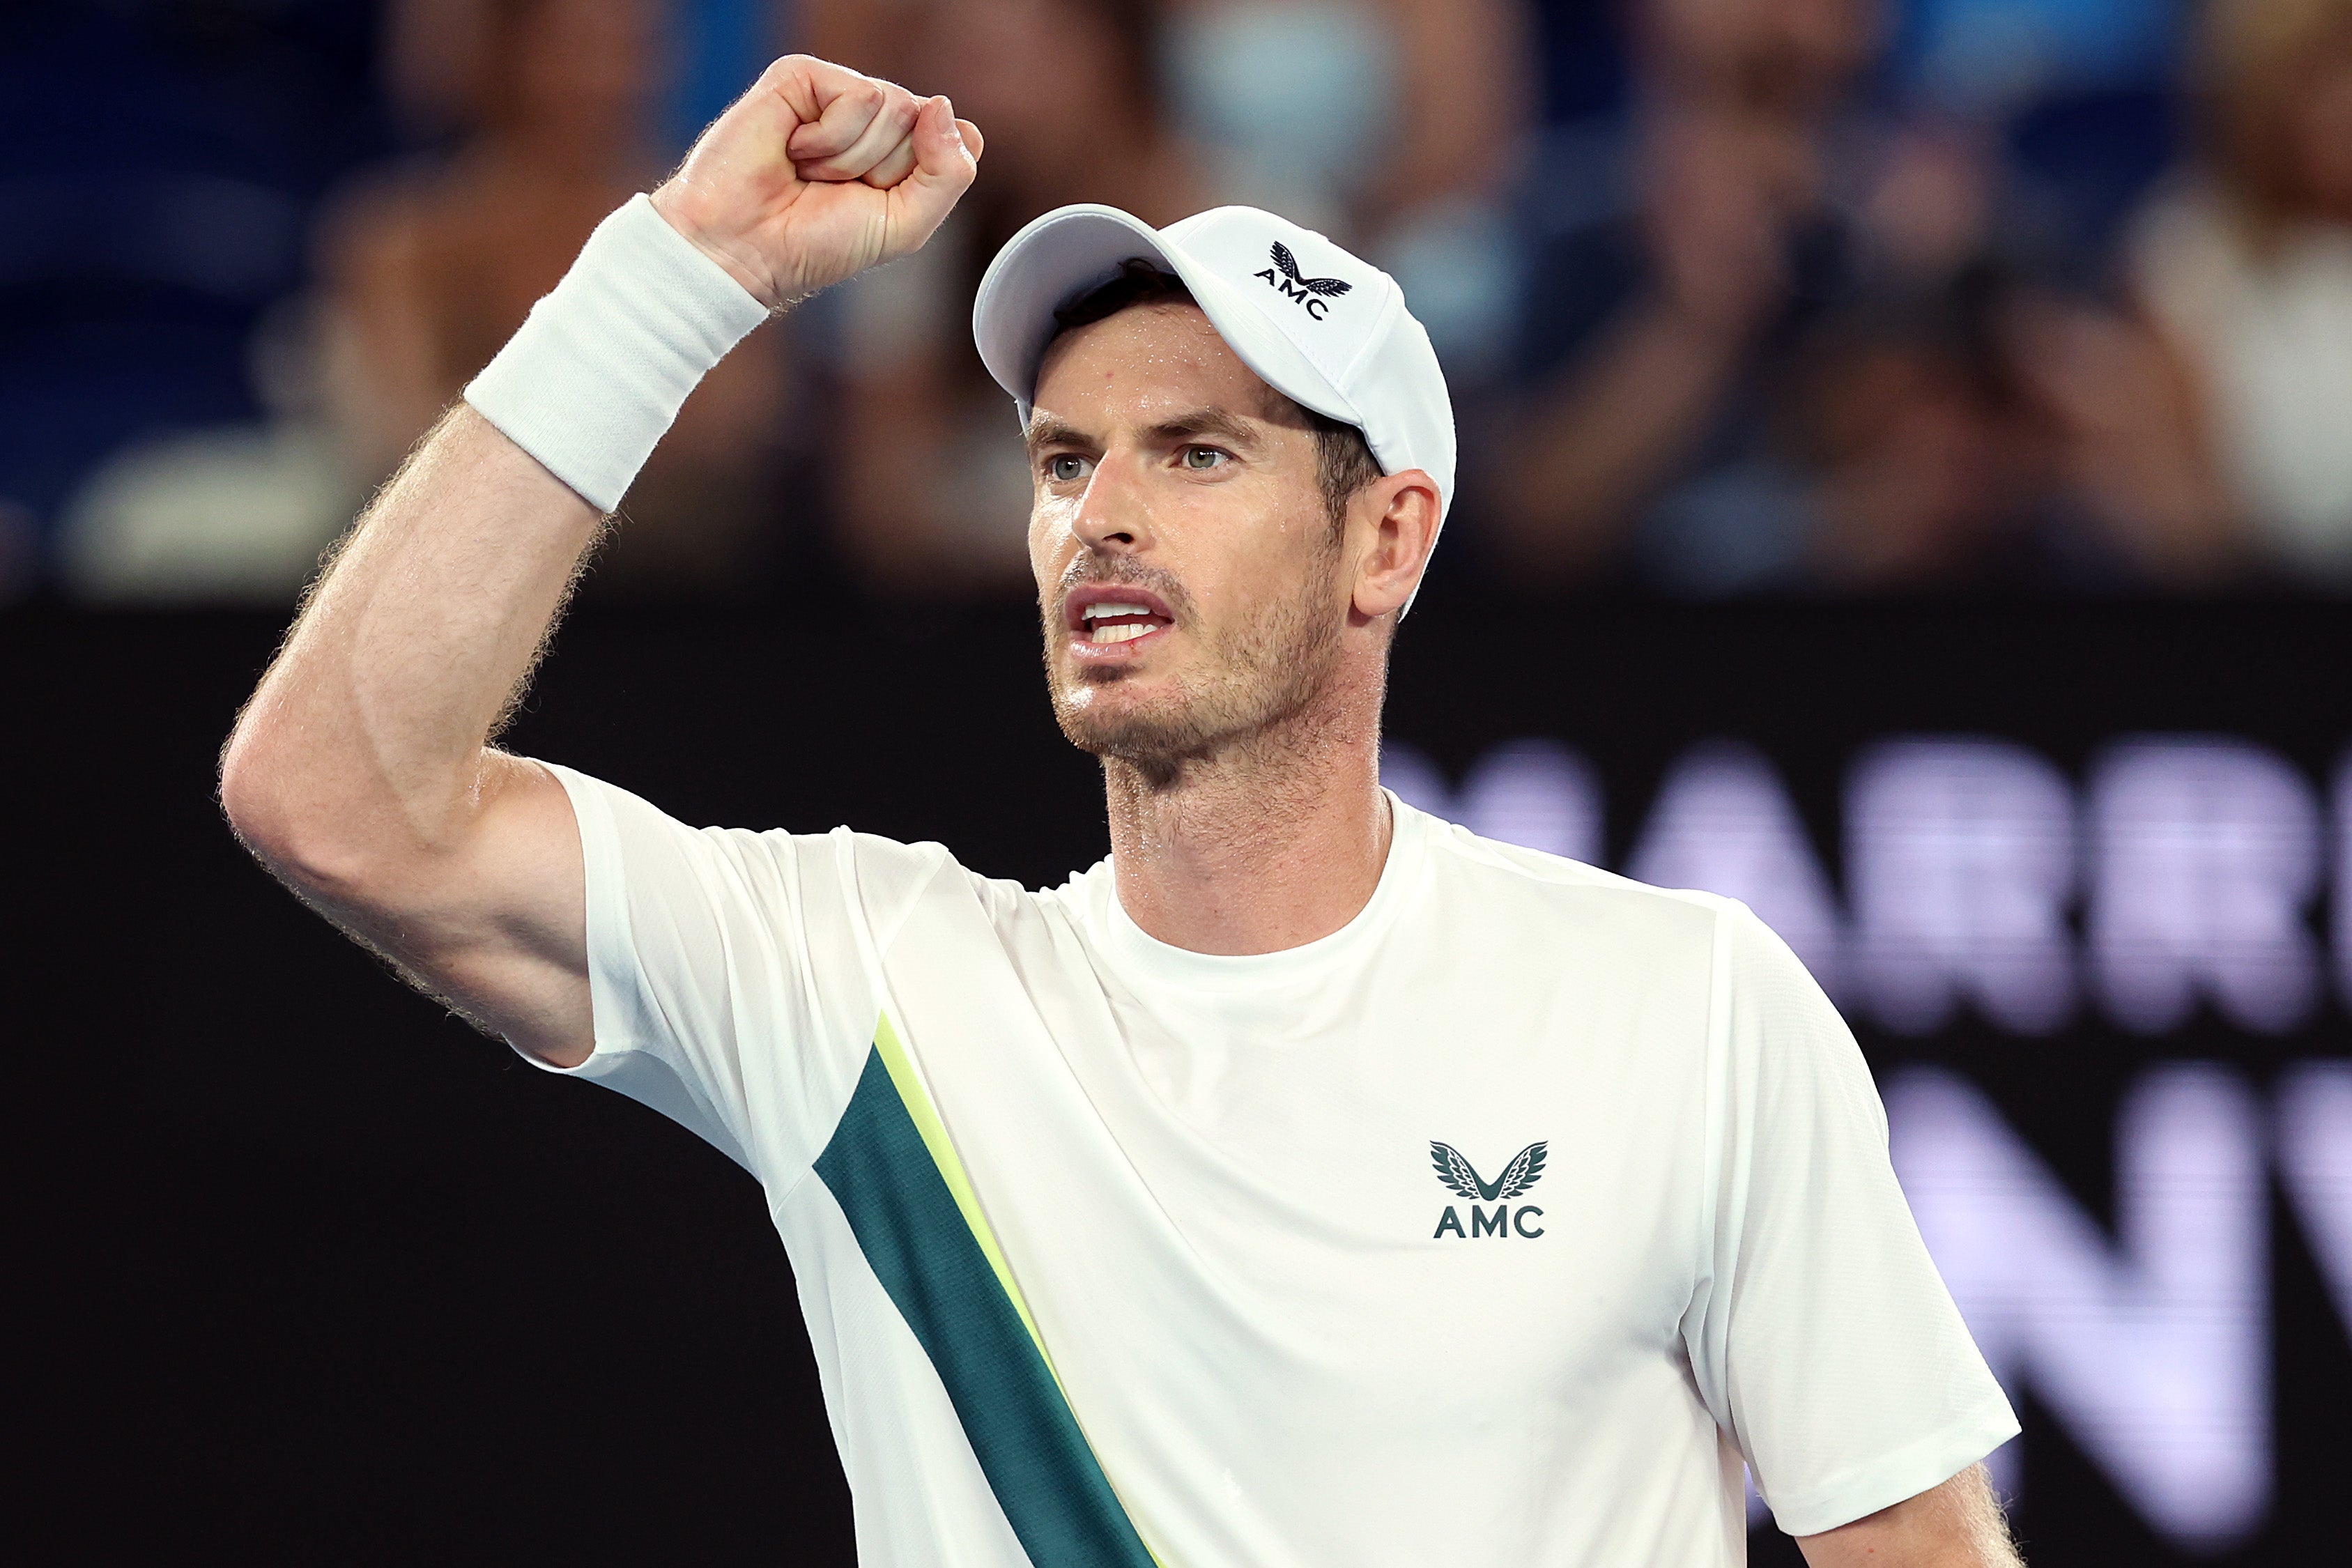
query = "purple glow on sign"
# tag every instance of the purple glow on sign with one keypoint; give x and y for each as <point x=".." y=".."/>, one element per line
<point x="1961" y="863"/>
<point x="2205" y="853"/>
<point x="1538" y="795"/>
<point x="1535" y="793"/>
<point x="2314" y="1115"/>
<point x="2152" y="1348"/>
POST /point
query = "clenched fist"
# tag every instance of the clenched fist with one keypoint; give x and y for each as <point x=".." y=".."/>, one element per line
<point x="817" y="174"/>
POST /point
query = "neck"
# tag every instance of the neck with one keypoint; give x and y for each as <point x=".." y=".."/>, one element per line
<point x="1273" y="841"/>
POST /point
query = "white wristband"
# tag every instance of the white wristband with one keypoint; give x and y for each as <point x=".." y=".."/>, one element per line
<point x="599" y="369"/>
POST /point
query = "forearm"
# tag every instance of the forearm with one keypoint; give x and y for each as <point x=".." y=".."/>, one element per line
<point x="1955" y="1525"/>
<point x="362" y="755"/>
<point x="366" y="739"/>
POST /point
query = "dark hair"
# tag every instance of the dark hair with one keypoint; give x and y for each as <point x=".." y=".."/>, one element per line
<point x="1344" y="461"/>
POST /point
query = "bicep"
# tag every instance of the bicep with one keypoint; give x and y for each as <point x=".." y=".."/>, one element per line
<point x="1957" y="1524"/>
<point x="495" y="923"/>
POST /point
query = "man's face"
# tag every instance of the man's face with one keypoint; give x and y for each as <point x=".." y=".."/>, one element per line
<point x="1189" y="575"/>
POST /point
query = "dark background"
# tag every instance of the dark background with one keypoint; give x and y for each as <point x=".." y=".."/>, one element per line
<point x="314" y="1274"/>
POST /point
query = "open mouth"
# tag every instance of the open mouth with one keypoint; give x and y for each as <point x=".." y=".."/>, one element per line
<point x="1108" y="615"/>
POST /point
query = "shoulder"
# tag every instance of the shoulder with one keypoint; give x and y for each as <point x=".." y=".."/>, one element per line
<point x="1529" y="881"/>
<point x="617" y="822"/>
<point x="1582" y="925"/>
<point x="928" y="874"/>
<point x="1515" y="894"/>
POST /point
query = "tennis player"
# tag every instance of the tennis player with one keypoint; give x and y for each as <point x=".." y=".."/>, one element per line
<point x="1311" y="1182"/>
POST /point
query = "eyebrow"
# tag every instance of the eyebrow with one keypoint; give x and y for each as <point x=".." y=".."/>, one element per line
<point x="1046" y="431"/>
<point x="1212" y="422"/>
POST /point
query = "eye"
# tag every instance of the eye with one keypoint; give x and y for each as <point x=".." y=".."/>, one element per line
<point x="1201" y="459"/>
<point x="1065" y="467"/>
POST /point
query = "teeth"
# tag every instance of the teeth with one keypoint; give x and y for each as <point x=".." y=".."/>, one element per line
<point x="1127" y="633"/>
<point x="1097" y="612"/>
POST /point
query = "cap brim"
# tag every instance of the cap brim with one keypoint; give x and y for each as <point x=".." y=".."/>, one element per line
<point x="1071" y="250"/>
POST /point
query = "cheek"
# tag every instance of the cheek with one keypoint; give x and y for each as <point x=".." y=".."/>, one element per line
<point x="1269" y="571"/>
<point x="1051" y="538"/>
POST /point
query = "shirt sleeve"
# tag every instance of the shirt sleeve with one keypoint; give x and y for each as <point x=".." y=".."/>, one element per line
<point x="735" y="977"/>
<point x="1822" y="1338"/>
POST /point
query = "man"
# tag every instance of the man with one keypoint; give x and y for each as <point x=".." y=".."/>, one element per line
<point x="1146" y="1219"/>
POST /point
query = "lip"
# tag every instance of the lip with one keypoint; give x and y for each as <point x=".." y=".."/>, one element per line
<point x="1074" y="609"/>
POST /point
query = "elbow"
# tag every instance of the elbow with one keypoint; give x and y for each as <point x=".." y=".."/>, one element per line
<point x="244" y="790"/>
<point x="261" y="795"/>
<point x="254" y="805"/>
<point x="327" y="825"/>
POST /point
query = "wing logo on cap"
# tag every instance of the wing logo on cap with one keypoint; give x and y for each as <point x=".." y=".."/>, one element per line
<point x="1312" y="295"/>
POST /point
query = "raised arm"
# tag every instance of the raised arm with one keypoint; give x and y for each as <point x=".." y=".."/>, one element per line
<point x="362" y="773"/>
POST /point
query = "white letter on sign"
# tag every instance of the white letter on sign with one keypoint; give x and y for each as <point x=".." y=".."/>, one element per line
<point x="2152" y="1349"/>
<point x="2205" y="853"/>
<point x="2314" y="1112"/>
<point x="1538" y="795"/>
<point x="1535" y="793"/>
<point x="1960" y="864"/>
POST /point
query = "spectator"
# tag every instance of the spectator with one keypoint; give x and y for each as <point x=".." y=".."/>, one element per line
<point x="430" y="270"/>
<point x="2247" y="269"/>
<point x="427" y="268"/>
<point x="1987" y="436"/>
<point x="161" y="162"/>
<point x="1804" y="361"/>
<point x="1392" y="125"/>
<point x="1653" y="325"/>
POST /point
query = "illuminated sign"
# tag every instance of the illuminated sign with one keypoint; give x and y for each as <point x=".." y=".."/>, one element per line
<point x="2195" y="860"/>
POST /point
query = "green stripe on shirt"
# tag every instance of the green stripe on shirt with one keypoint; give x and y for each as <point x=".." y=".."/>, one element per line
<point x="891" y="1168"/>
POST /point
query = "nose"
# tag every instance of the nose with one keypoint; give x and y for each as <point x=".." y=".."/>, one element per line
<point x="1114" y="516"/>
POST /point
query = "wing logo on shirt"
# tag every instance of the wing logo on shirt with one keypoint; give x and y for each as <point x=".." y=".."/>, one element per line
<point x="1462" y="1178"/>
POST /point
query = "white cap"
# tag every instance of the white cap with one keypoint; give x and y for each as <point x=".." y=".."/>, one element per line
<point x="1322" y="327"/>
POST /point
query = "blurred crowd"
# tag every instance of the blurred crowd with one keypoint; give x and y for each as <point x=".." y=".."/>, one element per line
<point x="1736" y="297"/>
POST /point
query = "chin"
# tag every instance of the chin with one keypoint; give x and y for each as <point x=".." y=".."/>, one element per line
<point x="1122" y="718"/>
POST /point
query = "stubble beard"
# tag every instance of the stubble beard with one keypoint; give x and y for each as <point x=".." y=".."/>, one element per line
<point x="1250" y="684"/>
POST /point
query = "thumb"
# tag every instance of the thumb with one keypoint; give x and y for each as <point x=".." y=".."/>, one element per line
<point x="946" y="162"/>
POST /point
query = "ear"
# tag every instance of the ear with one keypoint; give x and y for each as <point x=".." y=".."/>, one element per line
<point x="1393" y="524"/>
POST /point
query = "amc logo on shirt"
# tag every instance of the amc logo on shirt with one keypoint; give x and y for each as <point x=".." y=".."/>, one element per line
<point x="1460" y="1177"/>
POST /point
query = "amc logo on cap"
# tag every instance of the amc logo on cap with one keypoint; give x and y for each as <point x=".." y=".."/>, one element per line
<point x="1313" y="295"/>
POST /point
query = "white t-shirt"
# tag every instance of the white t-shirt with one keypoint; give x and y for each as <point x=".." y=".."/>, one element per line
<point x="1494" y="1228"/>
